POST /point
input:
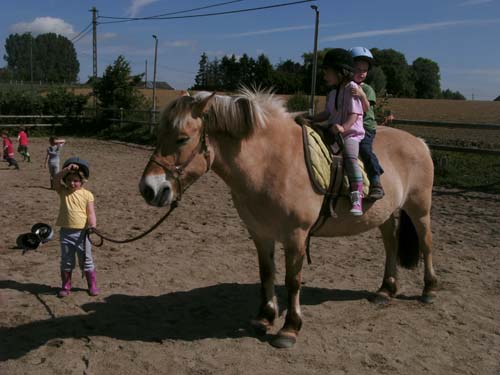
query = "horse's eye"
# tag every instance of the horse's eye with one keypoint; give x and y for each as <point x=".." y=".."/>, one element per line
<point x="182" y="141"/>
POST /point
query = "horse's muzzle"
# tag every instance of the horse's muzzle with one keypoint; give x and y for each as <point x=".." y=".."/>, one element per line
<point x="156" y="190"/>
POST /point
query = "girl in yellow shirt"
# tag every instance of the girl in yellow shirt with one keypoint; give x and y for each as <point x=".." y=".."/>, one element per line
<point x="76" y="214"/>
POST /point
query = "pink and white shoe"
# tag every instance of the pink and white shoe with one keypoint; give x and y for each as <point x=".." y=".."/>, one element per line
<point x="357" y="205"/>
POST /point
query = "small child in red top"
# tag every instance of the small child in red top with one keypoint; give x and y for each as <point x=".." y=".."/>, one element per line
<point x="22" y="139"/>
<point x="8" y="150"/>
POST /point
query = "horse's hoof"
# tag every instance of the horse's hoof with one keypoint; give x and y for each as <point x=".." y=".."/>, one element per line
<point x="283" y="341"/>
<point x="427" y="298"/>
<point x="379" y="299"/>
<point x="260" y="326"/>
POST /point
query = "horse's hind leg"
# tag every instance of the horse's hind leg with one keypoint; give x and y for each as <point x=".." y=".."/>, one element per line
<point x="389" y="235"/>
<point x="421" y="218"/>
<point x="268" y="310"/>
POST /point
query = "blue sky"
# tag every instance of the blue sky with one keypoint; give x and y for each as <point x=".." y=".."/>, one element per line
<point x="462" y="36"/>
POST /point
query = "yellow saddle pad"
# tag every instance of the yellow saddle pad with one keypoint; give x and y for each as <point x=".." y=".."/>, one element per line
<point x="321" y="160"/>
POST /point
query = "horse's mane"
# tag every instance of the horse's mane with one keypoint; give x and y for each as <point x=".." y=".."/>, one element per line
<point x="238" y="115"/>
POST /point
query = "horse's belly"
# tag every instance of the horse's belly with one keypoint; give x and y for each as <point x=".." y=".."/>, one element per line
<point x="345" y="224"/>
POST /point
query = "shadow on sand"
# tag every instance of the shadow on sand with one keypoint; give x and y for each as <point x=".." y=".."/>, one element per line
<point x="218" y="311"/>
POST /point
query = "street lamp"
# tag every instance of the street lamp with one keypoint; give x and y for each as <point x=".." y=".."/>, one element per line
<point x="154" y="80"/>
<point x="315" y="61"/>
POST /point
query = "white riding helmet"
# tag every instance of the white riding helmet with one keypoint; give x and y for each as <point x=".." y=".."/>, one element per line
<point x="361" y="53"/>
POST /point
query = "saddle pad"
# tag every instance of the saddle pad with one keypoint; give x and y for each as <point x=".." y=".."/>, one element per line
<point x="321" y="159"/>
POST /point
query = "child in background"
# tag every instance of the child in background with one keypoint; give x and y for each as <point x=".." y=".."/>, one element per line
<point x="76" y="214"/>
<point x="8" y="150"/>
<point x="363" y="59"/>
<point x="22" y="139"/>
<point x="344" y="113"/>
<point x="52" y="158"/>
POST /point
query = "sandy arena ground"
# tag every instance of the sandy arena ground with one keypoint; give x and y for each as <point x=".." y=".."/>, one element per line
<point x="180" y="300"/>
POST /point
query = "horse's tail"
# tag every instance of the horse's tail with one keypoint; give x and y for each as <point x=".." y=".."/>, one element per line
<point x="408" y="249"/>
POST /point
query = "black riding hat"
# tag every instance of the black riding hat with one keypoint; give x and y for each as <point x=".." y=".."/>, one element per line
<point x="338" y="58"/>
<point x="28" y="241"/>
<point x="83" y="164"/>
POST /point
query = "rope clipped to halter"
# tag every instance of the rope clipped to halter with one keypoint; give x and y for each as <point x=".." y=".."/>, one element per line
<point x="102" y="237"/>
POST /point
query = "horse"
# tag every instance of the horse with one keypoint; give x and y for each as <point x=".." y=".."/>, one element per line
<point x="254" y="145"/>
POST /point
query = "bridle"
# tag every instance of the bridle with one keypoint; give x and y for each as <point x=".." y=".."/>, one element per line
<point x="177" y="170"/>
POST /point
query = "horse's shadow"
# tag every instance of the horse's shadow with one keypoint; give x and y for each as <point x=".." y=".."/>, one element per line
<point x="218" y="311"/>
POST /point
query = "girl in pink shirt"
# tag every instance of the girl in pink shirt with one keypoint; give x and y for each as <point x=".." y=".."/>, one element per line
<point x="344" y="113"/>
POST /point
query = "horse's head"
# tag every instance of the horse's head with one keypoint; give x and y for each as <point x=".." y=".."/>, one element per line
<point x="182" y="154"/>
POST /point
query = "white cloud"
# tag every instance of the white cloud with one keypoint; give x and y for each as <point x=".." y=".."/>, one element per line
<point x="106" y="36"/>
<point x="180" y="43"/>
<point x="137" y="5"/>
<point x="408" y="29"/>
<point x="270" y="31"/>
<point x="280" y="30"/>
<point x="474" y="2"/>
<point x="42" y="25"/>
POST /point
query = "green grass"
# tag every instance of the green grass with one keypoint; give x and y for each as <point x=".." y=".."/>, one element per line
<point x="467" y="171"/>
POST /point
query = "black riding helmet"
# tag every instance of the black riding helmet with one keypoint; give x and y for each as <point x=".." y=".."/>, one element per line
<point x="338" y="58"/>
<point x="84" y="166"/>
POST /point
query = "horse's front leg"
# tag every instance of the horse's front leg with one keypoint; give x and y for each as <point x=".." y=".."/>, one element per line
<point x="294" y="258"/>
<point x="268" y="309"/>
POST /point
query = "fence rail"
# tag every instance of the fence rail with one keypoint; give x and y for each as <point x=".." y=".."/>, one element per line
<point x="403" y="122"/>
<point x="442" y="124"/>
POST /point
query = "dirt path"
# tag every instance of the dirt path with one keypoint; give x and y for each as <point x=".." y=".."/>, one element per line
<point x="180" y="300"/>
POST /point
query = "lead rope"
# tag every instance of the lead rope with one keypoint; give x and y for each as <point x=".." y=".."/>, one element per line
<point x="102" y="237"/>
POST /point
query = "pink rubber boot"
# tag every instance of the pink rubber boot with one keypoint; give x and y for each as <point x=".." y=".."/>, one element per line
<point x="66" y="284"/>
<point x="91" y="282"/>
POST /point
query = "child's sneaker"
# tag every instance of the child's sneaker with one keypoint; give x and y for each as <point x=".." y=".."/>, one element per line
<point x="376" y="192"/>
<point x="356" y="201"/>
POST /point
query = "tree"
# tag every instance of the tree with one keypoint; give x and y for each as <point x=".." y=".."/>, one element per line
<point x="118" y="87"/>
<point x="288" y="77"/>
<point x="376" y="79"/>
<point x="263" y="72"/>
<point x="200" y="81"/>
<point x="399" y="76"/>
<point x="427" y="78"/>
<point x="497" y="99"/>
<point x="230" y="73"/>
<point x="453" y="95"/>
<point x="321" y="86"/>
<point x="247" y="70"/>
<point x="50" y="57"/>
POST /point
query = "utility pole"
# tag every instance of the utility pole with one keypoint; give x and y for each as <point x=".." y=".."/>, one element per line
<point x="31" y="61"/>
<point x="94" y="51"/>
<point x="146" y="75"/>
<point x="154" y="81"/>
<point x="315" y="62"/>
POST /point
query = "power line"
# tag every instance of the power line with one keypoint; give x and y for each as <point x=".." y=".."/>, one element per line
<point x="82" y="36"/>
<point x="172" y="13"/>
<point x="81" y="32"/>
<point x="209" y="14"/>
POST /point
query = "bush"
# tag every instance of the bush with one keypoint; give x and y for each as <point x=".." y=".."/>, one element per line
<point x="298" y="102"/>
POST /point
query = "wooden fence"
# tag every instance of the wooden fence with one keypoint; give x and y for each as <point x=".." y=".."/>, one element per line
<point x="121" y="118"/>
<point x="451" y="125"/>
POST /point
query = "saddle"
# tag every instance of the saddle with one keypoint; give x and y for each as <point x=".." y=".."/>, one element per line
<point x="323" y="157"/>
<point x="324" y="162"/>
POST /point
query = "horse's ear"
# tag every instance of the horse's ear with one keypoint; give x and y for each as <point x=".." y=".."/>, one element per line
<point x="184" y="93"/>
<point x="203" y="106"/>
